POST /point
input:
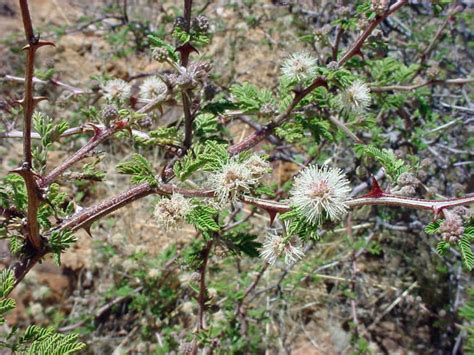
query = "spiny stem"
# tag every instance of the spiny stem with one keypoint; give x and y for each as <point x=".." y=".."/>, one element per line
<point x="28" y="102"/>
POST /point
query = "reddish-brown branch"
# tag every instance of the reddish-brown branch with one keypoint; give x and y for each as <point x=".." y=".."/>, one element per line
<point x="87" y="216"/>
<point x="436" y="206"/>
<point x="97" y="139"/>
<point x="25" y="14"/>
<point x="91" y="214"/>
<point x="202" y="296"/>
<point x="29" y="102"/>
<point x="102" y="133"/>
<point x="202" y="284"/>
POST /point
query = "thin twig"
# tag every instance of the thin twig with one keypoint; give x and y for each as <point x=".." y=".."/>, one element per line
<point x="457" y="81"/>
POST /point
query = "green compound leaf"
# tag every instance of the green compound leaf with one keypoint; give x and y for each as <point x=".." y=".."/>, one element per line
<point x="140" y="169"/>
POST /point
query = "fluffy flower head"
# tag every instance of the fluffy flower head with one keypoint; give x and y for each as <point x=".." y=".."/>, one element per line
<point x="171" y="212"/>
<point x="152" y="88"/>
<point x="232" y="179"/>
<point x="319" y="192"/>
<point x="117" y="89"/>
<point x="356" y="98"/>
<point x="279" y="243"/>
<point x="299" y="67"/>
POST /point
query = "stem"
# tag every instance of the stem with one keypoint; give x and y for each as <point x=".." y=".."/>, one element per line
<point x="202" y="297"/>
<point x="458" y="81"/>
<point x="435" y="206"/>
<point x="101" y="136"/>
<point x="28" y="102"/>
<point x="202" y="284"/>
<point x="86" y="217"/>
<point x="188" y="120"/>
<point x="186" y="94"/>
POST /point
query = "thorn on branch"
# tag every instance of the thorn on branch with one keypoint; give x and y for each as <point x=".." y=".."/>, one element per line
<point x="375" y="190"/>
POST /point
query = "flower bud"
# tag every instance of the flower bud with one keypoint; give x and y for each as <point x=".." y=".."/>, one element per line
<point x="333" y="65"/>
<point x="109" y="113"/>
<point x="180" y="22"/>
<point x="452" y="228"/>
<point x="200" y="24"/>
<point x="159" y="54"/>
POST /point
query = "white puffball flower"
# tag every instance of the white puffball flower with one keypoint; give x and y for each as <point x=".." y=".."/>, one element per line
<point x="355" y="98"/>
<point x="233" y="179"/>
<point x="320" y="191"/>
<point x="117" y="89"/>
<point x="280" y="244"/>
<point x="299" y="67"/>
<point x="258" y="166"/>
<point x="152" y="88"/>
<point x="170" y="213"/>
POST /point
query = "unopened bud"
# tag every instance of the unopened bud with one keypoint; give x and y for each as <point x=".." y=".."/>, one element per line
<point x="333" y="65"/>
<point x="200" y="24"/>
<point x="159" y="54"/>
<point x="180" y="22"/>
<point x="109" y="113"/>
<point x="452" y="228"/>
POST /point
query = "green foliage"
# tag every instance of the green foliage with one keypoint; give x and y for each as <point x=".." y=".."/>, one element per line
<point x="249" y="98"/>
<point x="46" y="341"/>
<point x="36" y="340"/>
<point x="140" y="169"/>
<point x="206" y="126"/>
<point x="59" y="241"/>
<point x="157" y="42"/>
<point x="197" y="38"/>
<point x="433" y="227"/>
<point x="49" y="133"/>
<point x="13" y="190"/>
<point x="442" y="247"/>
<point x="208" y="156"/>
<point x="290" y="131"/>
<point x="464" y="244"/>
<point x="15" y="244"/>
<point x="203" y="218"/>
<point x="393" y="166"/>
<point x="390" y="71"/>
<point x="161" y="136"/>
<point x="7" y="282"/>
<point x="242" y="243"/>
<point x="90" y="172"/>
<point x="298" y="226"/>
<point x="466" y="252"/>
<point x="57" y="206"/>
